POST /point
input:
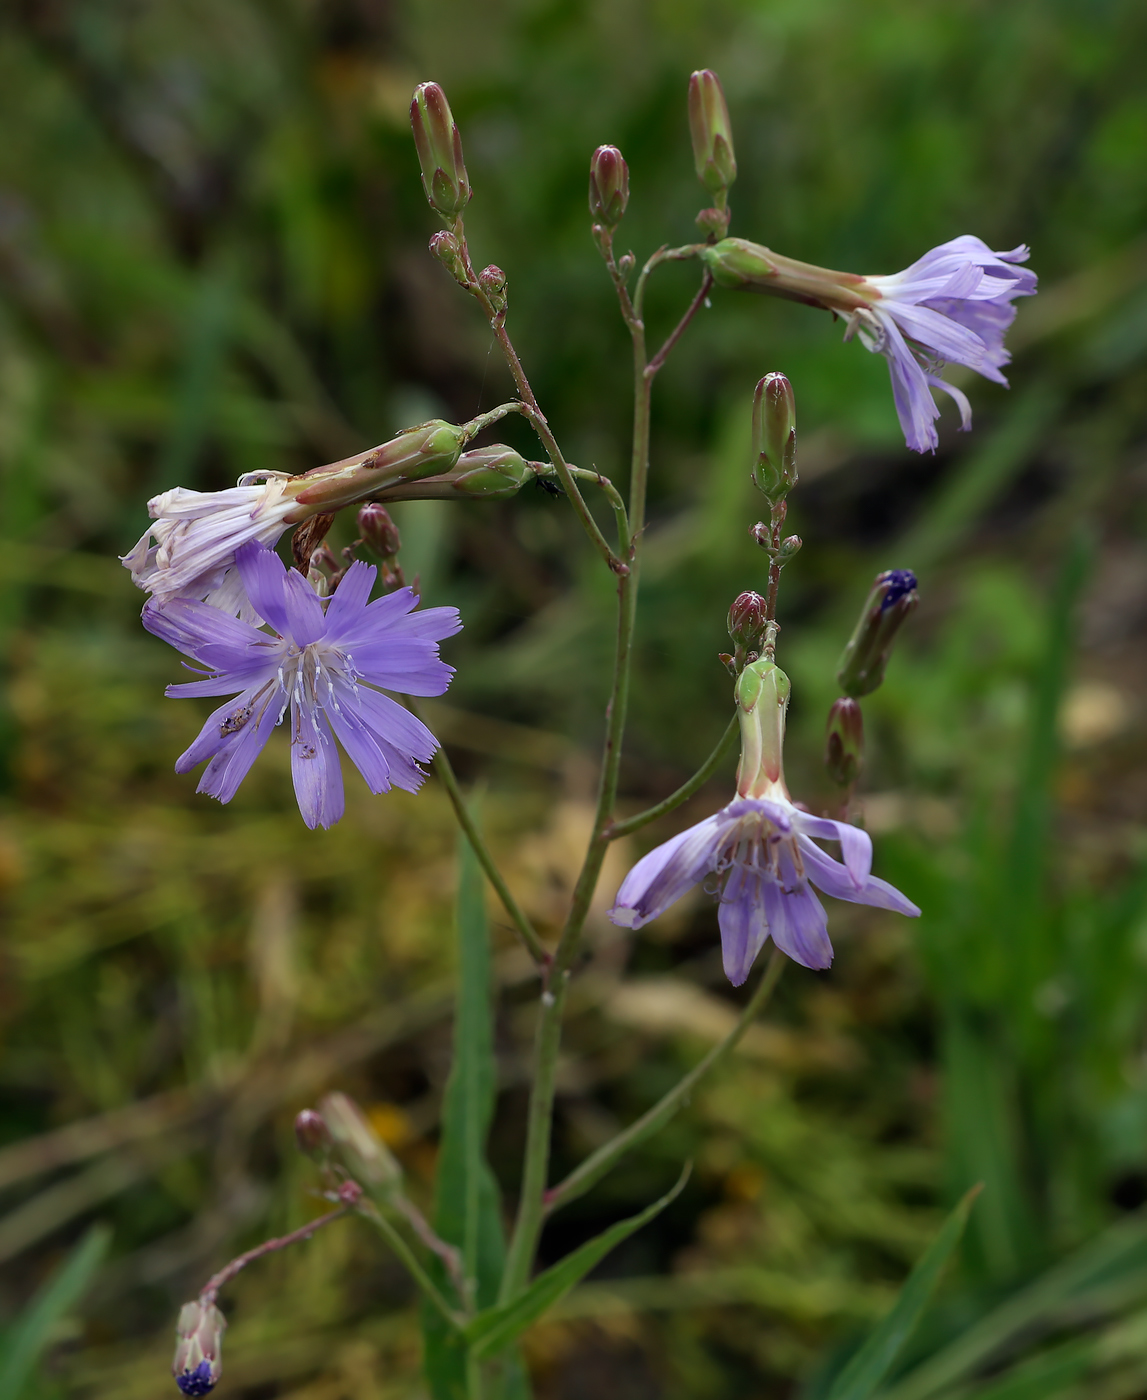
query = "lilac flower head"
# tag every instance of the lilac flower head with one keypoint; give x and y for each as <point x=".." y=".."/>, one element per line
<point x="324" y="661"/>
<point x="758" y="855"/>
<point x="953" y="305"/>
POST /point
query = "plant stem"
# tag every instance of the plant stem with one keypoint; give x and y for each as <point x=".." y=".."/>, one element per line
<point x="442" y="766"/>
<point x="679" y="330"/>
<point x="683" y="793"/>
<point x="413" y="1267"/>
<point x="209" y="1290"/>
<point x="527" y="1226"/>
<point x="488" y="419"/>
<point x="612" y="495"/>
<point x="595" y="1167"/>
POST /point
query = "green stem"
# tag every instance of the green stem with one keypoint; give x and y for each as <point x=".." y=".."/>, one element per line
<point x="527" y="1226"/>
<point x="683" y="793"/>
<point x="487" y="420"/>
<point x="595" y="1167"/>
<point x="612" y="494"/>
<point x="446" y="776"/>
<point x="413" y="1267"/>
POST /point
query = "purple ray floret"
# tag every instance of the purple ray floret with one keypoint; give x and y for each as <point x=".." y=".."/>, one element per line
<point x="326" y="662"/>
<point x="762" y="856"/>
<point x="952" y="306"/>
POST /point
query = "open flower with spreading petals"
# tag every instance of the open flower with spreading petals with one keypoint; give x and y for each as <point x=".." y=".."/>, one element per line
<point x="952" y="306"/>
<point x="322" y="662"/>
<point x="759" y="855"/>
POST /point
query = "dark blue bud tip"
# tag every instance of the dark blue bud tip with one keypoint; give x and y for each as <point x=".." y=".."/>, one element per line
<point x="197" y="1382"/>
<point x="900" y="582"/>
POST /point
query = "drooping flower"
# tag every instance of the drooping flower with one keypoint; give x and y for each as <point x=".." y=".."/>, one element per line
<point x="197" y="533"/>
<point x="198" y="1340"/>
<point x="758" y="854"/>
<point x="953" y="305"/>
<point x="326" y="662"/>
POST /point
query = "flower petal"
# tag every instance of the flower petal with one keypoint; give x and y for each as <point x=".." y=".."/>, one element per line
<point x="741" y="916"/>
<point x="798" y="923"/>
<point x="350" y="599"/>
<point x="660" y="878"/>
<point x="263" y="572"/>
<point x="831" y="877"/>
<point x="315" y="768"/>
<point x="855" y="843"/>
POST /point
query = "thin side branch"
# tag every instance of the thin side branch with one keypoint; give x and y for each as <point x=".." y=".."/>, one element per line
<point x="683" y="793"/>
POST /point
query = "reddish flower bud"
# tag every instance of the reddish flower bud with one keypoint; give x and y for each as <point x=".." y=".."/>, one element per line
<point x="608" y="186"/>
<point x="311" y="1133"/>
<point x="712" y="134"/>
<point x="492" y="280"/>
<point x="439" y="149"/>
<point x="444" y="246"/>
<point x="844" y="742"/>
<point x="379" y="533"/>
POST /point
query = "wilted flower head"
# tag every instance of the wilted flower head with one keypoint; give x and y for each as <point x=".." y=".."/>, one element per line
<point x="758" y="855"/>
<point x="198" y="1338"/>
<point x="951" y="306"/>
<point x="323" y="660"/>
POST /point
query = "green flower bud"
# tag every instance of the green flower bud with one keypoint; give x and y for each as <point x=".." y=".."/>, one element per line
<point x="712" y="134"/>
<point x="494" y="473"/>
<point x="775" y="437"/>
<point x="439" y="149"/>
<point x="608" y="186"/>
<point x="862" y="663"/>
<point x="422" y="451"/>
<point x="367" y="1157"/>
<point x="844" y="742"/>
<point x="762" y="695"/>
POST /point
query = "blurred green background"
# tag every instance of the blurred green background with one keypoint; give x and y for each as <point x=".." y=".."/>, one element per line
<point x="212" y="260"/>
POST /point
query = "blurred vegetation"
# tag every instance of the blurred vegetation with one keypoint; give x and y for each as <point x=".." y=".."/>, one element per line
<point x="212" y="260"/>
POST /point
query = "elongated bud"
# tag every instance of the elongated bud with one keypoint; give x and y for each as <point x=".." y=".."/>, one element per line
<point x="494" y="473"/>
<point x="762" y="695"/>
<point x="422" y="451"/>
<point x="862" y="663"/>
<point x="749" y="267"/>
<point x="712" y="134"/>
<point x="775" y="437"/>
<point x="439" y="149"/>
<point x="379" y="533"/>
<point x="367" y="1157"/>
<point x="844" y="742"/>
<point x="311" y="1133"/>
<point x="446" y="248"/>
<point x="608" y="186"/>
<point x="198" y="1338"/>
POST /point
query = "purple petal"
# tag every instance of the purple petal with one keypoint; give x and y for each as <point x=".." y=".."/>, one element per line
<point x="362" y="747"/>
<point x="390" y="721"/>
<point x="315" y="768"/>
<point x="915" y="406"/>
<point x="412" y="667"/>
<point x="190" y="626"/>
<point x="741" y="916"/>
<point x="761" y="807"/>
<point x="855" y="844"/>
<point x="305" y="617"/>
<point x="831" y="877"/>
<point x="222" y="776"/>
<point x="798" y="924"/>
<point x="350" y="599"/>
<point x="228" y="683"/>
<point x="263" y="572"/>
<point x="660" y="878"/>
<point x="226" y="723"/>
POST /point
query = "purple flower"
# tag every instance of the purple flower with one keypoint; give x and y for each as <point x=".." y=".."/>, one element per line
<point x="323" y="660"/>
<point x="758" y="856"/>
<point x="953" y="305"/>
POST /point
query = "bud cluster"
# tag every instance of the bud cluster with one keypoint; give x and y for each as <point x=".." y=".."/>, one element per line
<point x="380" y="535"/>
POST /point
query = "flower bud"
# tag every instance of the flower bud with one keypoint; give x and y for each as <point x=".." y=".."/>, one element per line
<point x="844" y="742"/>
<point x="492" y="280"/>
<point x="608" y="186"/>
<point x="747" y="627"/>
<point x="445" y="247"/>
<point x="311" y="1133"/>
<point x="625" y="264"/>
<point x="379" y="533"/>
<point x="422" y="451"/>
<point x="367" y="1157"/>
<point x="762" y="695"/>
<point x="789" y="546"/>
<point x="863" y="660"/>
<point x="494" y="473"/>
<point x="439" y="149"/>
<point x="198" y="1337"/>
<point x="713" y="221"/>
<point x="775" y="437"/>
<point x="712" y="134"/>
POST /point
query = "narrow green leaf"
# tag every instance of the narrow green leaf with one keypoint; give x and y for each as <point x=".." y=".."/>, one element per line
<point x="495" y="1328"/>
<point x="467" y="1205"/>
<point x="871" y="1363"/>
<point x="32" y="1330"/>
